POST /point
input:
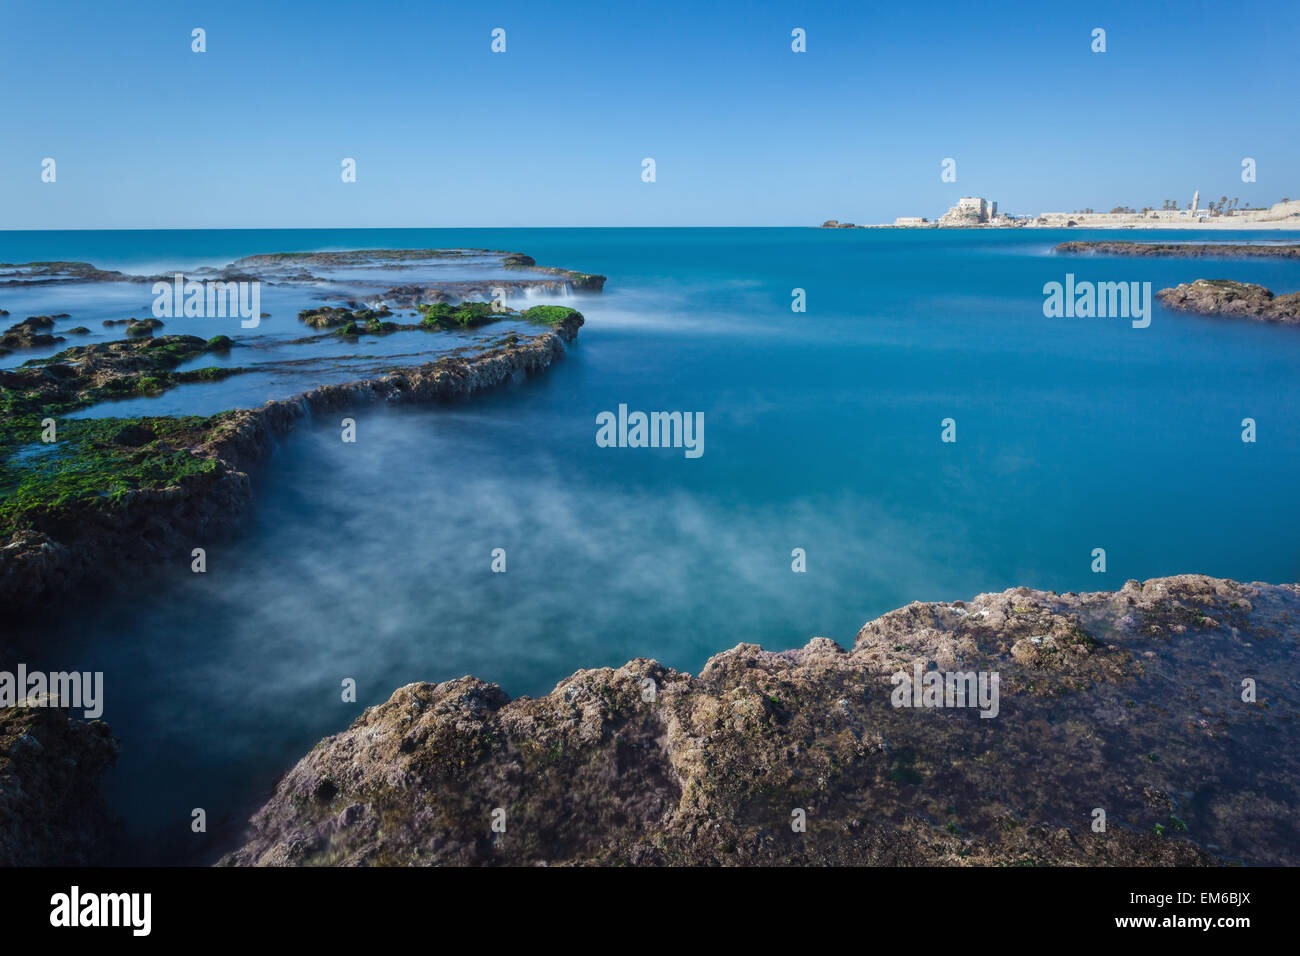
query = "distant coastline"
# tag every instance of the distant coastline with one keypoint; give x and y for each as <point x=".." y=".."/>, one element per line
<point x="976" y="212"/>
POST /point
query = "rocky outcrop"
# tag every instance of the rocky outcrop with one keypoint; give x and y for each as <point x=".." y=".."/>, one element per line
<point x="84" y="374"/>
<point x="142" y="328"/>
<point x="32" y="332"/>
<point x="330" y="317"/>
<point x="1129" y="703"/>
<point x="28" y="274"/>
<point x="178" y="483"/>
<point x="1181" y="250"/>
<point x="415" y="294"/>
<point x="1230" y="298"/>
<point x="243" y="437"/>
<point x="295" y="268"/>
<point x="51" y="813"/>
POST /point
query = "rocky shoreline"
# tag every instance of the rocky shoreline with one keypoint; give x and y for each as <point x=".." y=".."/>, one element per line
<point x="1129" y="703"/>
<point x="144" y="492"/>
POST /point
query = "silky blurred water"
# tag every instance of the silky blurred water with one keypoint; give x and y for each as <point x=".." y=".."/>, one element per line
<point x="372" y="560"/>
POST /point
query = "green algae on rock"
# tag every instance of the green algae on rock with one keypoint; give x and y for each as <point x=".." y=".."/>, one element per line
<point x="110" y="496"/>
<point x="550" y="314"/>
<point x="140" y="328"/>
<point x="435" y="317"/>
<point x="329" y="317"/>
<point x="646" y="765"/>
<point x="466" y="315"/>
<point x="86" y="374"/>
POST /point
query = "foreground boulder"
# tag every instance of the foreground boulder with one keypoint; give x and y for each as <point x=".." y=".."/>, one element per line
<point x="1126" y="707"/>
<point x="51" y="813"/>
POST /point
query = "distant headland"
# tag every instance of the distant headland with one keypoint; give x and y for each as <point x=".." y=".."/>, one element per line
<point x="977" y="212"/>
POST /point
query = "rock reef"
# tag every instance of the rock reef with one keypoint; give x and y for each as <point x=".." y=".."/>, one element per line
<point x="1230" y="298"/>
<point x="1182" y="250"/>
<point x="113" y="495"/>
<point x="1129" y="702"/>
<point x="338" y="275"/>
<point x="85" y="374"/>
<point x="32" y="332"/>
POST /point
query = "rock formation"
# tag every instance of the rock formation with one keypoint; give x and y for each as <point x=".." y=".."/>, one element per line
<point x="51" y="813"/>
<point x="146" y="493"/>
<point x="32" y="332"/>
<point x="1230" y="298"/>
<point x="1127" y="703"/>
<point x="1184" y="250"/>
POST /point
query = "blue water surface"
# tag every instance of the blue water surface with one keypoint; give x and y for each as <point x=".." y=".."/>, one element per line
<point x="372" y="560"/>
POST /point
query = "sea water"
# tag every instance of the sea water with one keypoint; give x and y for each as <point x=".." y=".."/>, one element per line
<point x="372" y="561"/>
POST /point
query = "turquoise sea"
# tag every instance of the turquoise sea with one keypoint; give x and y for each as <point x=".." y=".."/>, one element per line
<point x="372" y="560"/>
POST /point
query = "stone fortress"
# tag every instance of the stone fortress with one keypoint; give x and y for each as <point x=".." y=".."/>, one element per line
<point x="976" y="211"/>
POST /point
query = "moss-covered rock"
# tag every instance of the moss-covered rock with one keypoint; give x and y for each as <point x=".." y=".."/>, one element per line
<point x="331" y="317"/>
<point x="466" y="315"/>
<point x="139" y="328"/>
<point x="109" y="497"/>
<point x="552" y="315"/>
<point x="85" y="374"/>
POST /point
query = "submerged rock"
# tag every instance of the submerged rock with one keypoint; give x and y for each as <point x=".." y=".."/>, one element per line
<point x="32" y="332"/>
<point x="1127" y="702"/>
<point x="139" y="328"/>
<point x="326" y="317"/>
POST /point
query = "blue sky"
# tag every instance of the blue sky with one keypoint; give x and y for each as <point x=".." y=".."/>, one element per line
<point x="147" y="134"/>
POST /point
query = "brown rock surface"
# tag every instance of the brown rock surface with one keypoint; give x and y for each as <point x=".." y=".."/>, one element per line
<point x="1182" y="250"/>
<point x="1227" y="297"/>
<point x="1128" y="701"/>
<point x="51" y="813"/>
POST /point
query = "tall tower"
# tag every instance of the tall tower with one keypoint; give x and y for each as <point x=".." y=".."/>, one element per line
<point x="1196" y="201"/>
